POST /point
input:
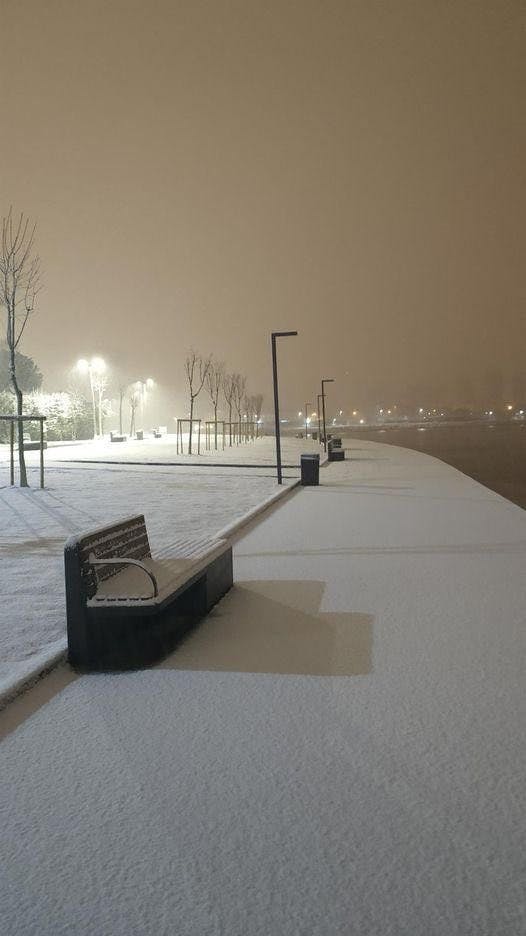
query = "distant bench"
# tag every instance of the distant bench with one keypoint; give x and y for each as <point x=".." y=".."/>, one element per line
<point x="335" y="450"/>
<point x="126" y="609"/>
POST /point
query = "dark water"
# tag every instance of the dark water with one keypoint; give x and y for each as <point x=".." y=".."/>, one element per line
<point x="494" y="455"/>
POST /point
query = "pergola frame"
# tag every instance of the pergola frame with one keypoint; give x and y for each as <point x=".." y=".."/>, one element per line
<point x="210" y="430"/>
<point x="17" y="419"/>
<point x="179" y="430"/>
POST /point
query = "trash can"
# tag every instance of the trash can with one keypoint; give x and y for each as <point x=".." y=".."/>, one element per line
<point x="310" y="469"/>
<point x="139" y="435"/>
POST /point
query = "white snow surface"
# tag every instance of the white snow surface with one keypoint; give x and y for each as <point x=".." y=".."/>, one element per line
<point x="35" y="523"/>
<point x="338" y="750"/>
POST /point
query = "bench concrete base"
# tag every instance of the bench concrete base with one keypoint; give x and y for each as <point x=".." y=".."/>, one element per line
<point x="131" y="633"/>
<point x="124" y="638"/>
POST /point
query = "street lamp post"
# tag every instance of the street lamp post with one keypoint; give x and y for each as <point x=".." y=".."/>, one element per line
<point x="143" y="386"/>
<point x="319" y="418"/>
<point x="275" y="335"/>
<point x="95" y="370"/>
<point x="307" y="418"/>
<point x="324" y="381"/>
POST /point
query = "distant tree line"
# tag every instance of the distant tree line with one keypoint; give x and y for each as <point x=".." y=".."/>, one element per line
<point x="221" y="386"/>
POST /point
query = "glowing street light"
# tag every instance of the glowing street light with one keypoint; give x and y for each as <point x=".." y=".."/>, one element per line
<point x="95" y="369"/>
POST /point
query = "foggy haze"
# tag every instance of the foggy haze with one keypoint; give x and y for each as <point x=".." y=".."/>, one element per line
<point x="205" y="172"/>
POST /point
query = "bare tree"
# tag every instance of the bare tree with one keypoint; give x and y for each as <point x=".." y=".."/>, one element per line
<point x="196" y="368"/>
<point x="122" y="387"/>
<point x="228" y="393"/>
<point x="240" y="384"/>
<point x="257" y="402"/>
<point x="249" y="412"/>
<point x="134" y="402"/>
<point x="19" y="286"/>
<point x="214" y="383"/>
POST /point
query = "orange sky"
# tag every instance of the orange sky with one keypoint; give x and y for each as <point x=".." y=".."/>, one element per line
<point x="205" y="172"/>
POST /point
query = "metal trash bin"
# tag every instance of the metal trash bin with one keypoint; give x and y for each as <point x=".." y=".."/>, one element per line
<point x="139" y="435"/>
<point x="310" y="469"/>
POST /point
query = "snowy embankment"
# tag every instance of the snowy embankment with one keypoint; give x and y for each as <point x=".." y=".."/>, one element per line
<point x="337" y="749"/>
<point x="34" y="525"/>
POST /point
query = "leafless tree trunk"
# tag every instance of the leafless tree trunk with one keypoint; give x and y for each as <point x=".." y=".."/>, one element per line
<point x="196" y="368"/>
<point x="214" y="382"/>
<point x="228" y="393"/>
<point x="134" y="402"/>
<point x="122" y="391"/>
<point x="239" y="394"/>
<point x="19" y="286"/>
<point x="257" y="400"/>
<point x="99" y="384"/>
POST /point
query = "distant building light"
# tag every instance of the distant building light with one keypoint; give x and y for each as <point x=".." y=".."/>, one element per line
<point x="362" y="421"/>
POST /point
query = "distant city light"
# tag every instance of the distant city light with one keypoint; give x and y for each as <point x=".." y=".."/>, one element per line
<point x="362" y="421"/>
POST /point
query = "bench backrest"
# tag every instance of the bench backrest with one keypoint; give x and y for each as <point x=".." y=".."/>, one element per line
<point x="128" y="539"/>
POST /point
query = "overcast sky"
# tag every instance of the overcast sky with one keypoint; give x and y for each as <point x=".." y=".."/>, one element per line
<point x="205" y="172"/>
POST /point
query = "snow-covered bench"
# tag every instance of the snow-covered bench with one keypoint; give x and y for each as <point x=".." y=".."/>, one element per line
<point x="126" y="609"/>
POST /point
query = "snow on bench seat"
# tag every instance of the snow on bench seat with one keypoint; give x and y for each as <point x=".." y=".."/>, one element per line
<point x="131" y="585"/>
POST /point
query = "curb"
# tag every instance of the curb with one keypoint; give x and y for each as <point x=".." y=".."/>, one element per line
<point x="233" y="528"/>
<point x="238" y="524"/>
<point x="29" y="679"/>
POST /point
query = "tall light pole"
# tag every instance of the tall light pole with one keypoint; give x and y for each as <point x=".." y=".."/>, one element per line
<point x="319" y="418"/>
<point x="273" y="336"/>
<point x="95" y="369"/>
<point x="324" y="381"/>
<point x="143" y="386"/>
<point x="307" y="418"/>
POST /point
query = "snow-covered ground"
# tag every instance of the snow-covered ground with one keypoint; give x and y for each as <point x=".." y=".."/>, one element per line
<point x="259" y="452"/>
<point x="34" y="525"/>
<point x="337" y="750"/>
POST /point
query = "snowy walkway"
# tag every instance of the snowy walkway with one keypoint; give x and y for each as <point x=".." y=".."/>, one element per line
<point x="34" y="525"/>
<point x="337" y="750"/>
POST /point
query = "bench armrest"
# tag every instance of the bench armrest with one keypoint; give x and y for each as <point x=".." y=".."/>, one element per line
<point x="121" y="561"/>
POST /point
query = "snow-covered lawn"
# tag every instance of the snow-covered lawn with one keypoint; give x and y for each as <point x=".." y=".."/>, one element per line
<point x="34" y="525"/>
<point x="259" y="452"/>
